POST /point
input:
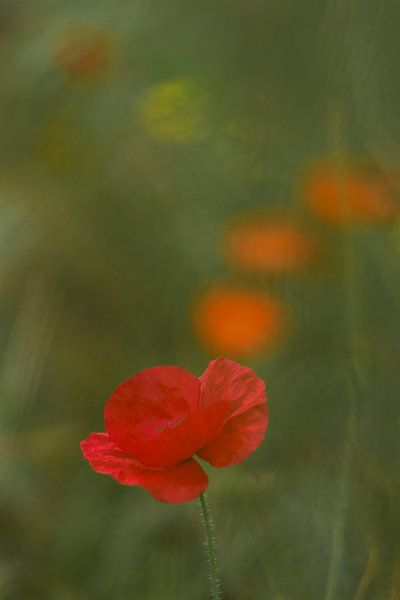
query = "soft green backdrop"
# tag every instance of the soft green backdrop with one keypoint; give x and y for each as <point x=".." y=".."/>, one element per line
<point x="110" y="224"/>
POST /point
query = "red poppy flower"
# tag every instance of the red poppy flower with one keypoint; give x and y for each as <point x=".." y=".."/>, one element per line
<point x="157" y="420"/>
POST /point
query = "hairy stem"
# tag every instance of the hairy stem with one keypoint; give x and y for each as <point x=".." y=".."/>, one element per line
<point x="215" y="585"/>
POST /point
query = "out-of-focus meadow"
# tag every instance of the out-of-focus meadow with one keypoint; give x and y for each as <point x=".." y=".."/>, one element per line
<point x="180" y="181"/>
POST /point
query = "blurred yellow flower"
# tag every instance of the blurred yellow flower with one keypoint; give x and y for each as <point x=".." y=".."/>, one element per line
<point x="238" y="149"/>
<point x="175" y="112"/>
<point x="61" y="145"/>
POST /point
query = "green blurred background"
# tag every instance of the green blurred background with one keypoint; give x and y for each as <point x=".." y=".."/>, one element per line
<point x="132" y="135"/>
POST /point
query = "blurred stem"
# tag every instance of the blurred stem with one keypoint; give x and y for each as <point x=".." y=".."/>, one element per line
<point x="215" y="585"/>
<point x="354" y="368"/>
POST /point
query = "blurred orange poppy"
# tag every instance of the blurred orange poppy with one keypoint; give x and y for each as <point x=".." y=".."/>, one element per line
<point x="269" y="245"/>
<point x="350" y="195"/>
<point x="234" y="321"/>
<point x="84" y="53"/>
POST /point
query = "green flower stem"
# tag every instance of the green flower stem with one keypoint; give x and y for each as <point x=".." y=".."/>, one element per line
<point x="215" y="584"/>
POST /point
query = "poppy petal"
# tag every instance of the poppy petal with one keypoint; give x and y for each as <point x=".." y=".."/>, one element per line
<point x="238" y="439"/>
<point x="227" y="380"/>
<point x="181" y="483"/>
<point x="183" y="439"/>
<point x="149" y="403"/>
